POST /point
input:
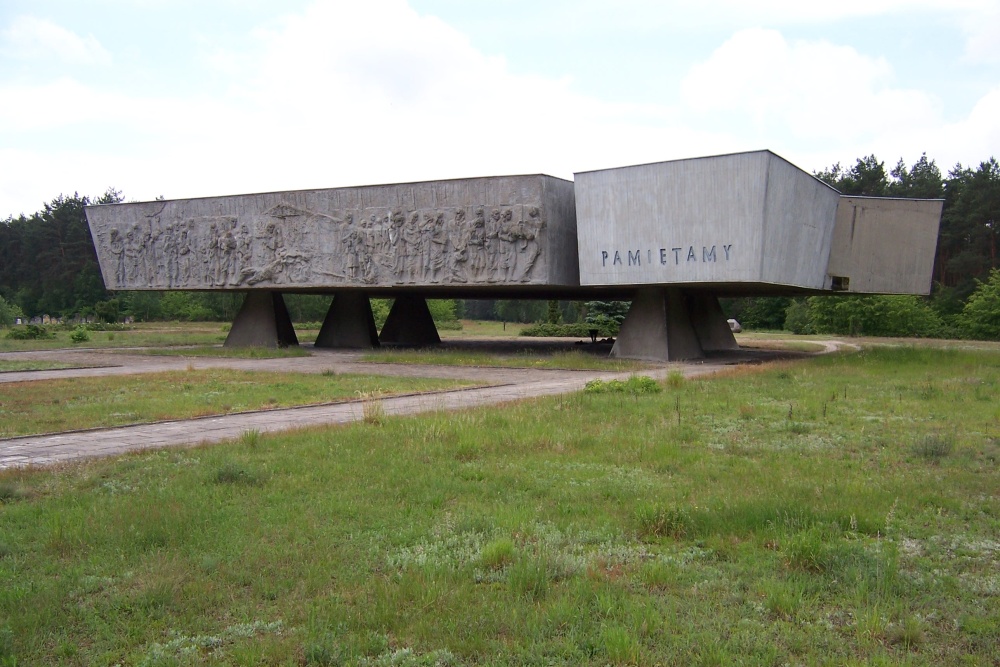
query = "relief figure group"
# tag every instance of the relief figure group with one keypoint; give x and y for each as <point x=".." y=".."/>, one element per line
<point x="286" y="245"/>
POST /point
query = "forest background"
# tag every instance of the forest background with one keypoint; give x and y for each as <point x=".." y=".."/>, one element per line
<point x="48" y="267"/>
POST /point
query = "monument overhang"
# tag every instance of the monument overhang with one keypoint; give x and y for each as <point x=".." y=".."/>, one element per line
<point x="748" y="222"/>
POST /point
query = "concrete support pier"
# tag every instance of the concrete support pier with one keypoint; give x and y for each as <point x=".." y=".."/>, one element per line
<point x="410" y="323"/>
<point x="349" y="323"/>
<point x="657" y="328"/>
<point x="710" y="323"/>
<point x="669" y="324"/>
<point x="263" y="321"/>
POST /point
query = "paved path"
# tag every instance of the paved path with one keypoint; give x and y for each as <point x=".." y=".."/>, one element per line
<point x="507" y="385"/>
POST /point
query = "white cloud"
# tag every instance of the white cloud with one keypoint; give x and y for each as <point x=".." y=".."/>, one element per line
<point x="983" y="36"/>
<point x="32" y="38"/>
<point x="345" y="93"/>
<point x="812" y="89"/>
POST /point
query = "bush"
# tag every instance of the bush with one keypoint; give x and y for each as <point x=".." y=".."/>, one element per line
<point x="578" y="330"/>
<point x="980" y="317"/>
<point x="30" y="332"/>
<point x="8" y="313"/>
<point x="607" y="315"/>
<point x="902" y="315"/>
<point x="636" y="384"/>
<point x="80" y="335"/>
<point x="798" y="318"/>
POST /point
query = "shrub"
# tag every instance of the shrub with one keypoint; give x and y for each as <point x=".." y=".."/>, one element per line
<point x="903" y="315"/>
<point x="933" y="447"/>
<point x="636" y="384"/>
<point x="231" y="473"/>
<point x="607" y="315"/>
<point x="8" y="313"/>
<point x="663" y="521"/>
<point x="80" y="335"/>
<point x="577" y="330"/>
<point x="30" y="332"/>
<point x="798" y="318"/>
<point x="980" y="317"/>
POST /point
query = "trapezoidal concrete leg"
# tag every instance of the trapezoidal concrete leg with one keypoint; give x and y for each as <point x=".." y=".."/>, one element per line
<point x="710" y="323"/>
<point x="263" y="321"/>
<point x="349" y="323"/>
<point x="658" y="328"/>
<point x="410" y="323"/>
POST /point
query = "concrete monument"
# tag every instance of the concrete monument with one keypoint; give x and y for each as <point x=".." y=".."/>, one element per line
<point x="671" y="237"/>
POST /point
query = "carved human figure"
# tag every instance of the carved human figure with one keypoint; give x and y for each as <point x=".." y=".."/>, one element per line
<point x="506" y="246"/>
<point x="210" y="252"/>
<point x="244" y="253"/>
<point x="227" y="255"/>
<point x="528" y="232"/>
<point x="170" y="249"/>
<point x="397" y="245"/>
<point x="477" y="245"/>
<point x="351" y="241"/>
<point x="132" y="254"/>
<point x="458" y="248"/>
<point x="434" y="253"/>
<point x="117" y="246"/>
<point x="411" y="243"/>
<point x="492" y="246"/>
<point x="185" y="253"/>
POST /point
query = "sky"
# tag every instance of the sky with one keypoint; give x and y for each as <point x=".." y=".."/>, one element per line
<point x="192" y="98"/>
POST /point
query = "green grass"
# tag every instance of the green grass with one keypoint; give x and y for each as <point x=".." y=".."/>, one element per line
<point x="48" y="406"/>
<point x="13" y="365"/>
<point x="229" y="352"/>
<point x="689" y="526"/>
<point x="143" y="334"/>
<point x="527" y="359"/>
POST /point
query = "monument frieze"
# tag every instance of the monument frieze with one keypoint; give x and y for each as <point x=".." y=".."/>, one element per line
<point x="490" y="231"/>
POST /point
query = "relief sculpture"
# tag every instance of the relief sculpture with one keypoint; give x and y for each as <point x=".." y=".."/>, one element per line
<point x="289" y="245"/>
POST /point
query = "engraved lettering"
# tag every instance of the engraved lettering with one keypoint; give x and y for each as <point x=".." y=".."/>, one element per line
<point x="691" y="256"/>
<point x="604" y="258"/>
<point x="727" y="248"/>
<point x="677" y="255"/>
<point x="635" y="259"/>
<point x="663" y="255"/>
<point x="707" y="255"/>
<point x="617" y="259"/>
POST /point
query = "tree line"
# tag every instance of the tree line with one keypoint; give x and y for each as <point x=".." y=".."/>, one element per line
<point x="48" y="266"/>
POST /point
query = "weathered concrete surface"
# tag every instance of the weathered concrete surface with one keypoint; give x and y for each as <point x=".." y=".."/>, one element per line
<point x="409" y="323"/>
<point x="748" y="222"/>
<point x="710" y="323"/>
<point x="349" y="323"/>
<point x="658" y="327"/>
<point x="730" y="219"/>
<point x="885" y="246"/>
<point x="263" y="321"/>
<point x="497" y="231"/>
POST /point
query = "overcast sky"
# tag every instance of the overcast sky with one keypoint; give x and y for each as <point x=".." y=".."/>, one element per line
<point x="187" y="98"/>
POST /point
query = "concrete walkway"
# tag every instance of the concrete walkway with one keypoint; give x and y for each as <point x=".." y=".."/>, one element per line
<point x="507" y="385"/>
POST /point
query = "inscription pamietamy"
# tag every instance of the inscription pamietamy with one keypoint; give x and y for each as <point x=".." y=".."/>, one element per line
<point x="672" y="256"/>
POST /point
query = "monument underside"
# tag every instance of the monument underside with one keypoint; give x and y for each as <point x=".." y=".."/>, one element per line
<point x="671" y="237"/>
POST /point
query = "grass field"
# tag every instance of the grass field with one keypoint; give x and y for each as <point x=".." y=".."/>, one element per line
<point x="10" y="366"/>
<point x="141" y="334"/>
<point x="48" y="406"/>
<point x="836" y="510"/>
<point x="526" y="359"/>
